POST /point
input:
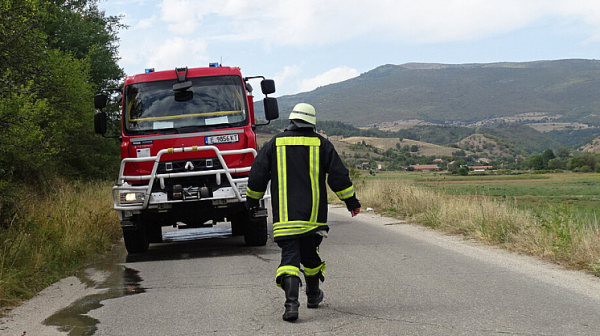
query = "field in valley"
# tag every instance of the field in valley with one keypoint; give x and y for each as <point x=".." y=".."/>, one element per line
<point x="578" y="191"/>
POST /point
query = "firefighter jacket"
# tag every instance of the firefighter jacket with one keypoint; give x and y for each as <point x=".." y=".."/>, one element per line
<point x="299" y="163"/>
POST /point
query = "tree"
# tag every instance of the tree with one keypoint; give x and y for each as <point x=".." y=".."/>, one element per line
<point x="557" y="163"/>
<point x="21" y="43"/>
<point x="536" y="162"/>
<point x="584" y="160"/>
<point x="563" y="152"/>
<point x="548" y="155"/>
<point x="79" y="28"/>
<point x="50" y="51"/>
<point x="459" y="153"/>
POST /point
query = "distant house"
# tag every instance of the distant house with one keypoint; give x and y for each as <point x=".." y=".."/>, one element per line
<point x="480" y="168"/>
<point x="438" y="160"/>
<point x="426" y="167"/>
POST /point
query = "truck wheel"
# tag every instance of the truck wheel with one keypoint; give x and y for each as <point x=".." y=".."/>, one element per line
<point x="136" y="240"/>
<point x="255" y="232"/>
<point x="154" y="233"/>
<point x="238" y="222"/>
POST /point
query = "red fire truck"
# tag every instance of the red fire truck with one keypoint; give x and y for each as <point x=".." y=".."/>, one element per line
<point x="187" y="144"/>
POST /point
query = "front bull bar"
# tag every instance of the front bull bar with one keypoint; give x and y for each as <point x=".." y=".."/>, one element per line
<point x="147" y="189"/>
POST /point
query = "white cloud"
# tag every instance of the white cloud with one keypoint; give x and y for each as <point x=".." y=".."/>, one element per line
<point x="177" y="52"/>
<point x="289" y="72"/>
<point x="145" y="23"/>
<point x="320" y="22"/>
<point x="184" y="15"/>
<point x="336" y="75"/>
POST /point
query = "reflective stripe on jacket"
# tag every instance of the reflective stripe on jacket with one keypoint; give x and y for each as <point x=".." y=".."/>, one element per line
<point x="299" y="163"/>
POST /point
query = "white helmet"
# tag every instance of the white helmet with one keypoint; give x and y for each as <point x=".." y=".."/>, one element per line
<point x="305" y="112"/>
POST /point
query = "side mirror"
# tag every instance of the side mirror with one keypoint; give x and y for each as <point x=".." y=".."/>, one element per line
<point x="271" y="108"/>
<point x="100" y="122"/>
<point x="100" y="100"/>
<point x="267" y="86"/>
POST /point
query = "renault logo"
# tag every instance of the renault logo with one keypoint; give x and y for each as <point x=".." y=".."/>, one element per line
<point x="189" y="165"/>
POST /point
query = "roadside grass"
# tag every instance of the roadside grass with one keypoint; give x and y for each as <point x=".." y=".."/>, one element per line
<point x="550" y="229"/>
<point x="53" y="235"/>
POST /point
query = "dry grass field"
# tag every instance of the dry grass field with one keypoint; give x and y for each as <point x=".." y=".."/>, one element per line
<point x="552" y="126"/>
<point x="342" y="145"/>
<point x="552" y="216"/>
<point x="425" y="149"/>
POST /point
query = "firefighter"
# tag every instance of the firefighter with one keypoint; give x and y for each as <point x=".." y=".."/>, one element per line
<point x="299" y="162"/>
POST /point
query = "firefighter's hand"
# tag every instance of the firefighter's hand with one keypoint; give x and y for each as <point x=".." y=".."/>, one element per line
<point x="251" y="203"/>
<point x="353" y="205"/>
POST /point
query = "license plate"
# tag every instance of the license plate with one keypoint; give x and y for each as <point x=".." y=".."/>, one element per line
<point x="219" y="139"/>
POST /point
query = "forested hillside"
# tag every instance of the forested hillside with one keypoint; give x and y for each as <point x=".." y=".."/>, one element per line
<point x="54" y="55"/>
<point x="558" y="100"/>
<point x="564" y="90"/>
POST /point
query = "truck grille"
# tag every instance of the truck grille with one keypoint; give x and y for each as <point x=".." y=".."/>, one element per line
<point x="188" y="165"/>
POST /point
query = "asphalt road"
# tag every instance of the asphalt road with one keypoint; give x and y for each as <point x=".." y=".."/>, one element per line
<point x="382" y="278"/>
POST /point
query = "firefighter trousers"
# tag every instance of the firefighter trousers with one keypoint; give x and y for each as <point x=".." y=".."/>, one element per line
<point x="302" y="250"/>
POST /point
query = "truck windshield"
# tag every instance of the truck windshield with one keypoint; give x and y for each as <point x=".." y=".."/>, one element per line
<point x="211" y="102"/>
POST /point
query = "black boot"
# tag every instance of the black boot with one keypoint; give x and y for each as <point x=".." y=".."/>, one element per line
<point x="291" y="287"/>
<point x="314" y="294"/>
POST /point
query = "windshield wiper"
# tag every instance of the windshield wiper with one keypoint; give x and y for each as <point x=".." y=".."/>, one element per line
<point x="224" y="125"/>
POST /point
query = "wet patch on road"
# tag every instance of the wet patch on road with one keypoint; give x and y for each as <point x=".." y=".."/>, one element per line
<point x="119" y="281"/>
<point x="110" y="278"/>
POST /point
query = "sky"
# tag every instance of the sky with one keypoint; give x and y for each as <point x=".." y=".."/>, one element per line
<point x="305" y="44"/>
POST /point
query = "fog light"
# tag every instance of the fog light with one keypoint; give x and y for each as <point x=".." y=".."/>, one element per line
<point x="132" y="197"/>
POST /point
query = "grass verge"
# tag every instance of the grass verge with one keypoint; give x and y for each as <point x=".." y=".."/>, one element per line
<point x="553" y="233"/>
<point x="53" y="235"/>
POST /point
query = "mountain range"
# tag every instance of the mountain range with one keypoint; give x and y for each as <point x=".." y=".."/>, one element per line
<point x="561" y="96"/>
<point x="466" y="94"/>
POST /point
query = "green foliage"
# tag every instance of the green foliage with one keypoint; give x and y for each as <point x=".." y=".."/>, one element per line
<point x="536" y="162"/>
<point x="573" y="138"/>
<point x="563" y="152"/>
<point x="585" y="162"/>
<point x="79" y="28"/>
<point x="53" y="236"/>
<point x="50" y="68"/>
<point x="439" y="135"/>
<point x="557" y="163"/>
<point x="22" y="142"/>
<point x="21" y="42"/>
<point x="520" y="139"/>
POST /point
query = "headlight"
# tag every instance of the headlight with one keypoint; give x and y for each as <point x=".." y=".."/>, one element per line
<point x="128" y="197"/>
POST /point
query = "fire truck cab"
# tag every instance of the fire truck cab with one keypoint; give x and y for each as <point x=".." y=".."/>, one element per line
<point x="187" y="144"/>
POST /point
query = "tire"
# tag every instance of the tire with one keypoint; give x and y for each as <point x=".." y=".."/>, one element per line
<point x="154" y="233"/>
<point x="238" y="222"/>
<point x="255" y="232"/>
<point x="136" y="240"/>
